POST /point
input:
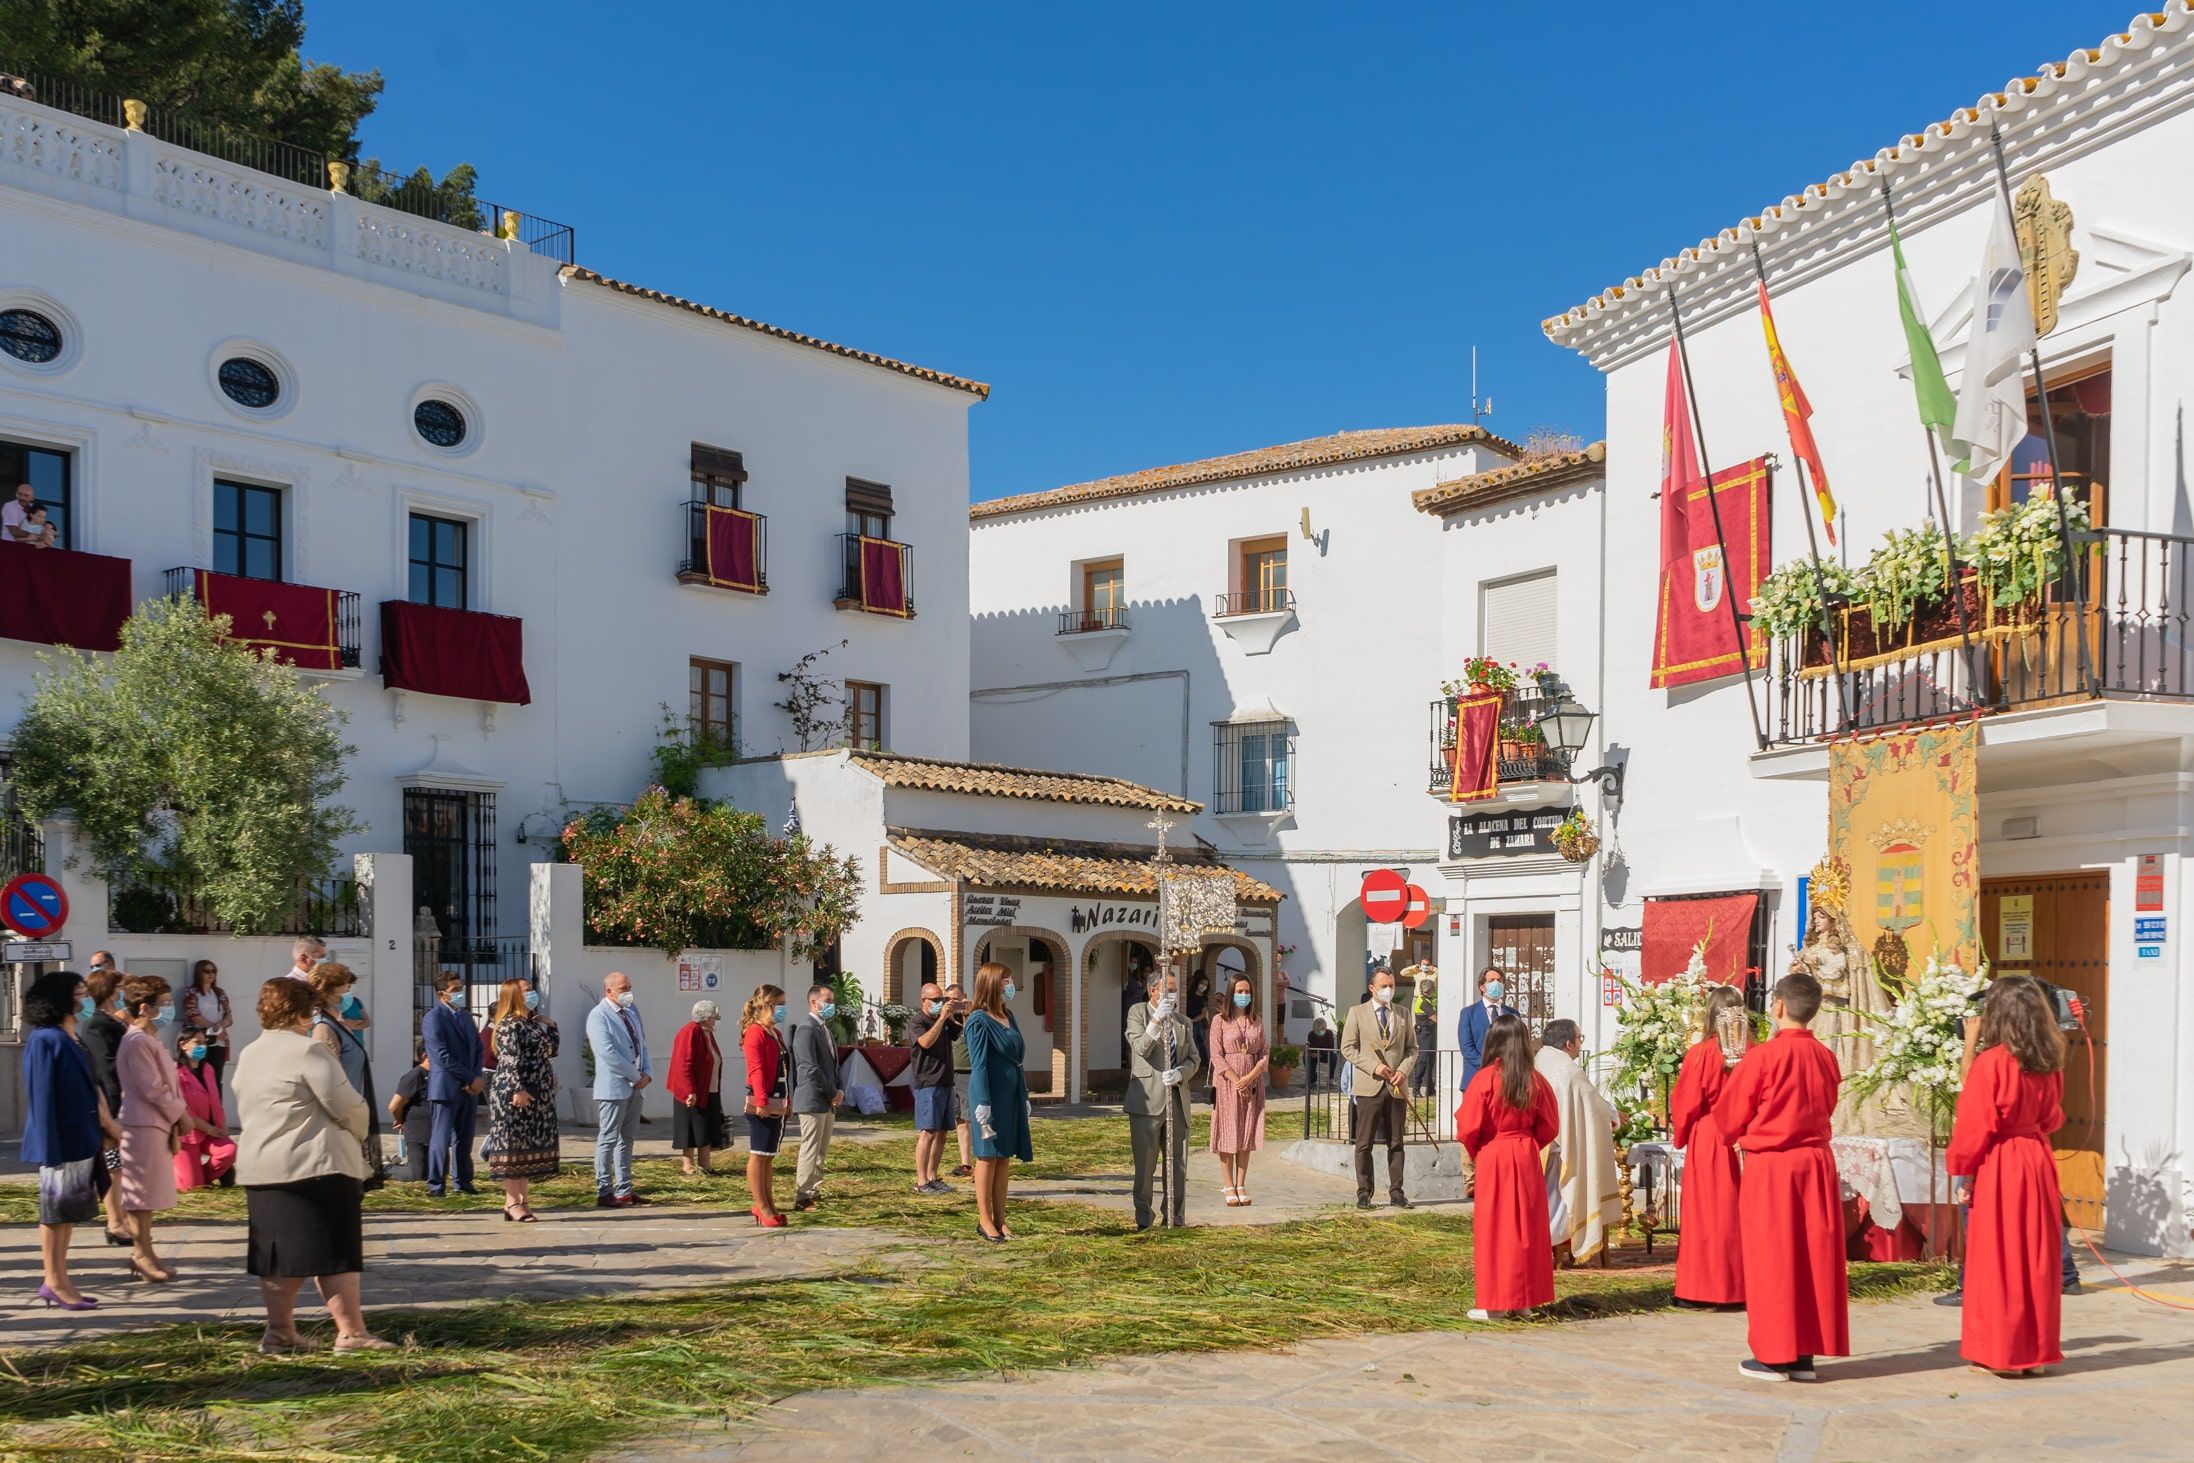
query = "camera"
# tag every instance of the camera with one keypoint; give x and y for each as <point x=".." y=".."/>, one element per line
<point x="2063" y="1002"/>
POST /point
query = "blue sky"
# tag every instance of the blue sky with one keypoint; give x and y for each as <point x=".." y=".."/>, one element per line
<point x="1168" y="231"/>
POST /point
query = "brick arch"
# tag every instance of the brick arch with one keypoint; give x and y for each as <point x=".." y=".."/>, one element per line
<point x="894" y="992"/>
<point x="1253" y="967"/>
<point x="1060" y="984"/>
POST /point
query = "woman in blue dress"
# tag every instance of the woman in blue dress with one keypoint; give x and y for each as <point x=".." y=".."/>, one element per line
<point x="997" y="1096"/>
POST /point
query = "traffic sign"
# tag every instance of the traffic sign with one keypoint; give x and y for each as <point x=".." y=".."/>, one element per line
<point x="1385" y="896"/>
<point x="1419" y="907"/>
<point x="33" y="906"/>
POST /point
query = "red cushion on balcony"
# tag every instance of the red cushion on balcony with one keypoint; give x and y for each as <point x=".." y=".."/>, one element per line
<point x="446" y="652"/>
<point x="295" y="621"/>
<point x="63" y="597"/>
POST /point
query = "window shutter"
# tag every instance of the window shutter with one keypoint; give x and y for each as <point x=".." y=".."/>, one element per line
<point x="864" y="497"/>
<point x="1516" y="620"/>
<point x="719" y="462"/>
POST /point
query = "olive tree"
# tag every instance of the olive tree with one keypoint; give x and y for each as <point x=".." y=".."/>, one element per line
<point x="188" y="760"/>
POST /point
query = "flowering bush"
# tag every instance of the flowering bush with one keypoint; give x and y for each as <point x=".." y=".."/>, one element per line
<point x="1655" y="1027"/>
<point x="1917" y="1044"/>
<point x="681" y="873"/>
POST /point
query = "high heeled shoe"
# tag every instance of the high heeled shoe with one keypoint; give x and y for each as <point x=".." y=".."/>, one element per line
<point x="81" y="1303"/>
<point x="152" y="1277"/>
<point x="120" y="1241"/>
<point x="996" y="1239"/>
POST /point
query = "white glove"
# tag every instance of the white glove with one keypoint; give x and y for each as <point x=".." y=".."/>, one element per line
<point x="982" y="1120"/>
<point x="1162" y="1009"/>
<point x="1172" y="1076"/>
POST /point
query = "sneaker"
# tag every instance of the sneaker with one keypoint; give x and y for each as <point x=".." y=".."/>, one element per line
<point x="2075" y="1288"/>
<point x="936" y="1186"/>
<point x="1479" y="1313"/>
<point x="961" y="1170"/>
<point x="1801" y="1370"/>
<point x="1954" y="1298"/>
<point x="1760" y="1371"/>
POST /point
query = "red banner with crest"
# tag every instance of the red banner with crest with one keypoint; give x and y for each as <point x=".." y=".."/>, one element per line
<point x="1694" y="638"/>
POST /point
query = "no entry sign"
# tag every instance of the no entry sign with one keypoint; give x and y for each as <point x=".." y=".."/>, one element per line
<point x="1385" y="896"/>
<point x="1418" y="907"/>
<point x="33" y="906"/>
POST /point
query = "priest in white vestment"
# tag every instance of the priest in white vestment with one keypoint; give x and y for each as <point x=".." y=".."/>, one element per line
<point x="1584" y="1183"/>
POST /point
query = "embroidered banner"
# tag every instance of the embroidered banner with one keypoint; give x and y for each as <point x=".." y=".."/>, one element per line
<point x="1903" y="818"/>
<point x="1473" y="734"/>
<point x="883" y="576"/>
<point x="1693" y="638"/>
<point x="295" y="621"/>
<point x="734" y="549"/>
<point x="1674" y="928"/>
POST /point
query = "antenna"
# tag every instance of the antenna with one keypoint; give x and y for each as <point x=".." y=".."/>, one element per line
<point x="1478" y="411"/>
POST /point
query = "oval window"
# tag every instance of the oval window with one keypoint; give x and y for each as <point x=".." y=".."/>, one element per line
<point x="30" y="336"/>
<point x="250" y="383"/>
<point x="440" y="422"/>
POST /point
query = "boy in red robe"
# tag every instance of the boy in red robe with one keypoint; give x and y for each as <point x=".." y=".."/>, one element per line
<point x="1776" y="1108"/>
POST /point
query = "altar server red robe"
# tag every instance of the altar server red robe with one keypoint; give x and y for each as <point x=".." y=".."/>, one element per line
<point x="1510" y="1244"/>
<point x="2012" y="1280"/>
<point x="1710" y="1266"/>
<point x="1776" y="1106"/>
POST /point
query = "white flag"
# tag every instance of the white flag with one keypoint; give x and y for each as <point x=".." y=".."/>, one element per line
<point x="1992" y="397"/>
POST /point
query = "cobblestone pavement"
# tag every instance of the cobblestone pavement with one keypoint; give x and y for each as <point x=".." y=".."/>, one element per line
<point x="1637" y="1387"/>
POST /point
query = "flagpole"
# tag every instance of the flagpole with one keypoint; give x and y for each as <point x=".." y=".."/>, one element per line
<point x="1714" y="508"/>
<point x="1942" y="517"/>
<point x="2058" y="486"/>
<point x="1813" y="549"/>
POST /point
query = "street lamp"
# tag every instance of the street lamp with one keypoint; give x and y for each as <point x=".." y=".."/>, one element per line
<point x="1567" y="725"/>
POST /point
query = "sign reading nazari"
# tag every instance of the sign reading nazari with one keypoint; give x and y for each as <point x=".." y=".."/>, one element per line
<point x="1902" y="818"/>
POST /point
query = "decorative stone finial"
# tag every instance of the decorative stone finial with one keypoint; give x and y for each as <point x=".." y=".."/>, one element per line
<point x="134" y="113"/>
<point x="338" y="177"/>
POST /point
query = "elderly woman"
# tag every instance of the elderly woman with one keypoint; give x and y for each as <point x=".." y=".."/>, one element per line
<point x="522" y="1141"/>
<point x="696" y="1083"/>
<point x="64" y="1120"/>
<point x="205" y="1154"/>
<point x="151" y="1117"/>
<point x="300" y="1158"/>
<point x="206" y="1011"/>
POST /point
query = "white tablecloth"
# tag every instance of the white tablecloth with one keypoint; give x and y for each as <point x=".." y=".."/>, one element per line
<point x="1890" y="1173"/>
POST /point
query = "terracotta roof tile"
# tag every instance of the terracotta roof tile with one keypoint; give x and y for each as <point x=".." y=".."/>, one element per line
<point x="1004" y="861"/>
<point x="985" y="779"/>
<point x="1339" y="447"/>
<point x="1481" y="489"/>
<point x="920" y="373"/>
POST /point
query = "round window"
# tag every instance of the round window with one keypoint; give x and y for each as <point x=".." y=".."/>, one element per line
<point x="250" y="383"/>
<point x="30" y="336"/>
<point x="440" y="422"/>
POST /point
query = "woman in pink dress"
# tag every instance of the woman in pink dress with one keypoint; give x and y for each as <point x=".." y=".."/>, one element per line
<point x="152" y="1112"/>
<point x="1240" y="1055"/>
<point x="205" y="1153"/>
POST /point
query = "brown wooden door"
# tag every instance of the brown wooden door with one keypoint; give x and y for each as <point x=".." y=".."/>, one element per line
<point x="1522" y="945"/>
<point x="2069" y="946"/>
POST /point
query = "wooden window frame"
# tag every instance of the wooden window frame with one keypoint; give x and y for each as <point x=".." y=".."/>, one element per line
<point x="1096" y="616"/>
<point x="1998" y="495"/>
<point x="873" y="740"/>
<point x="1261" y="591"/>
<point x="705" y="729"/>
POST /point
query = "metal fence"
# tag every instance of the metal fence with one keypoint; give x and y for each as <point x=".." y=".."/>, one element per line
<point x="1435" y="1080"/>
<point x="165" y="905"/>
<point x="485" y="962"/>
<point x="1520" y="745"/>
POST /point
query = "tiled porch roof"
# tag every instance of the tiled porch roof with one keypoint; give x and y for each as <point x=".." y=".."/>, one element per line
<point x="1068" y="865"/>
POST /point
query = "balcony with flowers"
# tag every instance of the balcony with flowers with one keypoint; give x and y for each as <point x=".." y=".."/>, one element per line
<point x="1522" y="753"/>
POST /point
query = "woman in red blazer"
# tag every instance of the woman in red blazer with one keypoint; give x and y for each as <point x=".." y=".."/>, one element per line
<point x="696" y="1082"/>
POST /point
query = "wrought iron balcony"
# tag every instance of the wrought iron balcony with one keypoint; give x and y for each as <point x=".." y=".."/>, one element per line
<point x="1253" y="602"/>
<point x="1521" y="750"/>
<point x="726" y="550"/>
<point x="876" y="575"/>
<point x="1080" y="622"/>
<point x="310" y="627"/>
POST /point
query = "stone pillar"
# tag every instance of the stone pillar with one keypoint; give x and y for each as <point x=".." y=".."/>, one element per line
<point x="556" y="909"/>
<point x="384" y="897"/>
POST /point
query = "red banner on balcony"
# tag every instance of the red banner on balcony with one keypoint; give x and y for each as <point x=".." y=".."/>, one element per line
<point x="734" y="549"/>
<point x="446" y="652"/>
<point x="883" y="576"/>
<point x="1695" y="638"/>
<point x="1476" y="772"/>
<point x="295" y="621"/>
<point x="63" y="597"/>
<point x="1674" y="928"/>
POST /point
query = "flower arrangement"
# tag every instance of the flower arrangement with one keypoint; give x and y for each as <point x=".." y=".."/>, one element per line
<point x="1575" y="837"/>
<point x="1917" y="1045"/>
<point x="2018" y="550"/>
<point x="1493" y="675"/>
<point x="1788" y="601"/>
<point x="1656" y="1025"/>
<point x="1911" y="568"/>
<point x="896" y="1018"/>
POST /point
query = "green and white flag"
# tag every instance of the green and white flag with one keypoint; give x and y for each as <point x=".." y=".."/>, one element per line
<point x="1992" y="395"/>
<point x="1938" y="409"/>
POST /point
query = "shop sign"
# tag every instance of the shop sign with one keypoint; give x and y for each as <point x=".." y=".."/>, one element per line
<point x="1623" y="938"/>
<point x="996" y="910"/>
<point x="1518" y="831"/>
<point x="700" y="972"/>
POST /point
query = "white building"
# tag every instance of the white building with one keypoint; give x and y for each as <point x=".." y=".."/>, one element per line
<point x="1267" y="633"/>
<point x="505" y="461"/>
<point x="2087" y="759"/>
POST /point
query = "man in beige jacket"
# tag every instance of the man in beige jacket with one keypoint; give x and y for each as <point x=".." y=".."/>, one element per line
<point x="1379" y="1044"/>
<point x="1161" y="1044"/>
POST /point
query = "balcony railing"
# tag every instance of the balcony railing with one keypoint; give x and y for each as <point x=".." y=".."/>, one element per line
<point x="728" y="551"/>
<point x="2120" y="633"/>
<point x="866" y="568"/>
<point x="320" y="633"/>
<point x="165" y="905"/>
<point x="1253" y="602"/>
<point x="1081" y="622"/>
<point x="1522" y="751"/>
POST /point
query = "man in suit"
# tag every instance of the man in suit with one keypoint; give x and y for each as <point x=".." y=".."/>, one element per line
<point x="816" y="1091"/>
<point x="1161" y="1047"/>
<point x="621" y="1072"/>
<point x="1477" y="1016"/>
<point x="454" y="1083"/>
<point x="1379" y="1044"/>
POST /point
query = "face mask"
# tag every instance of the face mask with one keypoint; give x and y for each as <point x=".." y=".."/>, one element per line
<point x="353" y="1008"/>
<point x="827" y="1010"/>
<point x="1009" y="990"/>
<point x="624" y="999"/>
<point x="1241" y="1000"/>
<point x="1495" y="990"/>
<point x="196" y="1053"/>
<point x="777" y="1014"/>
<point x="86" y="1009"/>
<point x="165" y="1015"/>
<point x="457" y="1000"/>
<point x="533" y="1000"/>
<point x="1384" y="995"/>
<point x="934" y="1007"/>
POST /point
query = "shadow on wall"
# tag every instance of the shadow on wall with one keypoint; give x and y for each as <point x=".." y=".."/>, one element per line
<point x="2146" y="1216"/>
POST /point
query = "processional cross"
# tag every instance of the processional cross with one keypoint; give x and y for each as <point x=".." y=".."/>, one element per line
<point x="1163" y="825"/>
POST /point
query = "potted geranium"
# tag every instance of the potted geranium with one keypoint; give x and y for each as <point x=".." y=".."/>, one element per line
<point x="1285" y="1059"/>
<point x="1483" y="673"/>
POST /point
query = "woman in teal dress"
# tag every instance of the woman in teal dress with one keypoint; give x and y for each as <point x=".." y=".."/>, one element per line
<point x="997" y="1097"/>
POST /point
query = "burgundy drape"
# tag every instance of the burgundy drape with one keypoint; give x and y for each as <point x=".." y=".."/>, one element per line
<point x="1674" y="926"/>
<point x="296" y="621"/>
<point x="63" y="597"/>
<point x="1474" y="772"/>
<point x="733" y="541"/>
<point x="446" y="652"/>
<point x="883" y="582"/>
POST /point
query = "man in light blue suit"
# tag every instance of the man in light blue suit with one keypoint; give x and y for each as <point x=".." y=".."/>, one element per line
<point x="621" y="1071"/>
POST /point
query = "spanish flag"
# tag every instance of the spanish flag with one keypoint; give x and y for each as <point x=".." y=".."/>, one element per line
<point x="1797" y="417"/>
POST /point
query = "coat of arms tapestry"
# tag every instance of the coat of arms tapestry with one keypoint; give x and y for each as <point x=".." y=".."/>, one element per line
<point x="1902" y="816"/>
